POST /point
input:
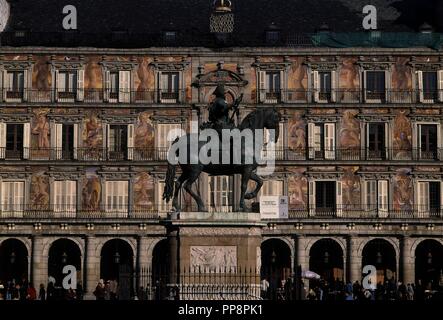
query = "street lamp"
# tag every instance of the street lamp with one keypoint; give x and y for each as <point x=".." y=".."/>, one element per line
<point x="326" y="257"/>
<point x="64" y="258"/>
<point x="116" y="257"/>
<point x="12" y="257"/>
<point x="379" y="257"/>
<point x="429" y="257"/>
<point x="273" y="257"/>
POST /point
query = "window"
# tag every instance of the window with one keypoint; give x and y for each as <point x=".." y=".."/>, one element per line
<point x="169" y="87"/>
<point x="375" y="86"/>
<point x="272" y="188"/>
<point x="114" y="86"/>
<point x="220" y="193"/>
<point x="321" y="140"/>
<point x="430" y="86"/>
<point x="170" y="37"/>
<point x="429" y="198"/>
<point x="16" y="140"/>
<point x="428" y="141"/>
<point x="118" y="86"/>
<point x="272" y="36"/>
<point x="13" y="196"/>
<point x="324" y="86"/>
<point x="117" y="142"/>
<point x="64" y="140"/>
<point x="65" y="196"/>
<point x="117" y="197"/>
<point x="270" y="86"/>
<point x="376" y="140"/>
<point x="376" y="198"/>
<point x="67" y="84"/>
<point x="14" y="85"/>
<point x="163" y="131"/>
<point x="279" y="147"/>
<point x="325" y="198"/>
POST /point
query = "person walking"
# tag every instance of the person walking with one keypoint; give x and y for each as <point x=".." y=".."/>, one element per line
<point x="31" y="293"/>
<point x="42" y="292"/>
<point x="99" y="292"/>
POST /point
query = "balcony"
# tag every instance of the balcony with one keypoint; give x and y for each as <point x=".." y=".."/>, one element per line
<point x="95" y="96"/>
<point x="351" y="96"/>
<point x="159" y="211"/>
<point x="277" y="154"/>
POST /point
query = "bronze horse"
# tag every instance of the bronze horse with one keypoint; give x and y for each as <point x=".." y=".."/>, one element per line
<point x="262" y="118"/>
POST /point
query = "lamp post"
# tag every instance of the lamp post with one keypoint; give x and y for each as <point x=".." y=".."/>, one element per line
<point x="12" y="257"/>
<point x="117" y="257"/>
<point x="64" y="258"/>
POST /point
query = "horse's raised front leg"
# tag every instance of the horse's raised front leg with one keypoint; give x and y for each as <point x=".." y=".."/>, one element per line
<point x="244" y="185"/>
<point x="259" y="181"/>
<point x="188" y="187"/>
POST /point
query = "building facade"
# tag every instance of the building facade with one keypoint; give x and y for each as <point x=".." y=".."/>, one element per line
<point x="84" y="139"/>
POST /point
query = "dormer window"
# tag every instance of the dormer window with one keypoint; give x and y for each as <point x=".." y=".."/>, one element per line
<point x="169" y="37"/>
<point x="272" y="36"/>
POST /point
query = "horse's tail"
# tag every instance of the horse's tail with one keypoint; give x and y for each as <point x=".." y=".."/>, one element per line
<point x="169" y="183"/>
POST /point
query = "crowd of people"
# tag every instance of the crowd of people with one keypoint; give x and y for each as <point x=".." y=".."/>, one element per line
<point x="337" y="290"/>
<point x="24" y="290"/>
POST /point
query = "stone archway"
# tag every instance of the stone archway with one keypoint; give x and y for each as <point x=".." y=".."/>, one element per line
<point x="117" y="264"/>
<point x="326" y="258"/>
<point x="275" y="264"/>
<point x="61" y="253"/>
<point x="381" y="254"/>
<point x="429" y="263"/>
<point x="13" y="261"/>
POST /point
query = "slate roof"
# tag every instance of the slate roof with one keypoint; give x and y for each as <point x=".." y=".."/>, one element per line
<point x="145" y="20"/>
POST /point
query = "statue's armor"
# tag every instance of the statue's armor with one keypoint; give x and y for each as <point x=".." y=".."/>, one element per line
<point x="219" y="112"/>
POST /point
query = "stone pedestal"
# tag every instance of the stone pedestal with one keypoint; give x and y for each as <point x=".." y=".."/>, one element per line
<point x="212" y="252"/>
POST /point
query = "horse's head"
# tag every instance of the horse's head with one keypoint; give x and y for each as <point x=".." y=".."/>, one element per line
<point x="272" y="119"/>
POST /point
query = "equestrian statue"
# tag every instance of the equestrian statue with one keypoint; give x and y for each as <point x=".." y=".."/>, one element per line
<point x="220" y="120"/>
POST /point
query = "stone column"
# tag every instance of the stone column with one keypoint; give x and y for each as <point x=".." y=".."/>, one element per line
<point x="407" y="261"/>
<point x="354" y="266"/>
<point x="301" y="254"/>
<point x="39" y="262"/>
<point x="143" y="261"/>
<point x="92" y="269"/>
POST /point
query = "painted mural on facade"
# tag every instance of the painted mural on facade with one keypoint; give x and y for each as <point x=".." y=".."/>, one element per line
<point x="40" y="134"/>
<point x="401" y="76"/>
<point x="91" y="191"/>
<point x="297" y="134"/>
<point x="403" y="190"/>
<point x="39" y="191"/>
<point x="41" y="75"/>
<point x="298" y="79"/>
<point x="349" y="81"/>
<point x="92" y="132"/>
<point x="144" y="192"/>
<point x="349" y="135"/>
<point x="298" y="189"/>
<point x="351" y="189"/>
<point x="144" y="132"/>
<point x="402" y="136"/>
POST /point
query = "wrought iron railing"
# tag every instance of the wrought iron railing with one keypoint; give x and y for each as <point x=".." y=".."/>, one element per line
<point x="350" y="95"/>
<point x="162" y="210"/>
<point x="276" y="153"/>
<point x="93" y="95"/>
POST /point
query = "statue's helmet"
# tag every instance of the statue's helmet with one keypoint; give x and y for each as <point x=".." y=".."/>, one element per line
<point x="219" y="92"/>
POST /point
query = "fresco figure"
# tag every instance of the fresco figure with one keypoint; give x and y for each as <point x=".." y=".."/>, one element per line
<point x="298" y="191"/>
<point x="350" y="136"/>
<point x="93" y="134"/>
<point x="41" y="129"/>
<point x="91" y="193"/>
<point x="39" y="193"/>
<point x="403" y="190"/>
<point x="402" y="140"/>
<point x="351" y="190"/>
<point x="297" y="135"/>
<point x="143" y="191"/>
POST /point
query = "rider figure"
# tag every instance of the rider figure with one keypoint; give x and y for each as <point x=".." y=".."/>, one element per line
<point x="219" y="111"/>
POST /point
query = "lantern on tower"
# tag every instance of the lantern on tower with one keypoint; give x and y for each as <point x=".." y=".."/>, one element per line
<point x="222" y="18"/>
